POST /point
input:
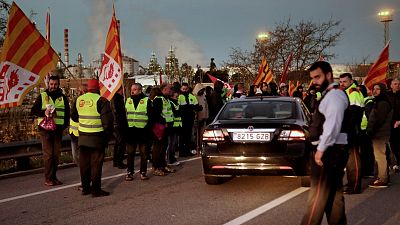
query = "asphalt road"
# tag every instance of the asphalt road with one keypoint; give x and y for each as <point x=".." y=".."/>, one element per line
<point x="180" y="198"/>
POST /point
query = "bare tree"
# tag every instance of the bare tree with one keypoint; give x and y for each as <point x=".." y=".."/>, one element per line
<point x="4" y="8"/>
<point x="307" y="41"/>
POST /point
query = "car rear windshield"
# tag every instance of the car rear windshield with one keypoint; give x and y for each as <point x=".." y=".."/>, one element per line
<point x="257" y="110"/>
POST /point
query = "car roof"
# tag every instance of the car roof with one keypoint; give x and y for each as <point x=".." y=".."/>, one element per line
<point x="269" y="98"/>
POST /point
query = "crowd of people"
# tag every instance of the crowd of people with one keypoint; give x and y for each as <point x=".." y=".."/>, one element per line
<point x="161" y="121"/>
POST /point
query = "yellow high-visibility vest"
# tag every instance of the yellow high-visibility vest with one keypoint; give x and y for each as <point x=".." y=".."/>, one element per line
<point x="73" y="128"/>
<point x="59" y="105"/>
<point x="166" y="113"/>
<point x="89" y="118"/>
<point x="137" y="117"/>
<point x="177" y="119"/>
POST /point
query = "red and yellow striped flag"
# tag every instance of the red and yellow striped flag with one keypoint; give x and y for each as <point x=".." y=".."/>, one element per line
<point x="377" y="72"/>
<point x="111" y="69"/>
<point x="264" y="73"/>
<point x="26" y="58"/>
<point x="292" y="88"/>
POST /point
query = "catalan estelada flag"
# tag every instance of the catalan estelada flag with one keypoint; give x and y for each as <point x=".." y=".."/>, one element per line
<point x="26" y="58"/>
<point x="110" y="78"/>
<point x="291" y="88"/>
<point x="377" y="72"/>
<point x="264" y="73"/>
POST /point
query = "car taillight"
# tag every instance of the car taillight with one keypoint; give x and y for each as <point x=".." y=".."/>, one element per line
<point x="292" y="135"/>
<point x="213" y="135"/>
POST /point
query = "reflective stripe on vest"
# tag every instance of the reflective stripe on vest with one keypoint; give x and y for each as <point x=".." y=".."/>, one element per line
<point x="166" y="113"/>
<point x="89" y="118"/>
<point x="192" y="100"/>
<point x="58" y="105"/>
<point x="73" y="128"/>
<point x="137" y="117"/>
<point x="177" y="119"/>
<point x="355" y="96"/>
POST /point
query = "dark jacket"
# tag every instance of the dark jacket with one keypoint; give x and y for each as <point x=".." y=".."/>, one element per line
<point x="380" y="118"/>
<point x="117" y="105"/>
<point x="215" y="104"/>
<point x="394" y="99"/>
<point x="98" y="139"/>
<point x="156" y="112"/>
<point x="37" y="109"/>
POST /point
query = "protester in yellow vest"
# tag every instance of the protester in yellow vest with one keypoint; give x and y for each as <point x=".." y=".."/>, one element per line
<point x="161" y="120"/>
<point x="52" y="103"/>
<point x="137" y="109"/>
<point x="175" y="130"/>
<point x="95" y="119"/>
<point x="353" y="168"/>
<point x="189" y="106"/>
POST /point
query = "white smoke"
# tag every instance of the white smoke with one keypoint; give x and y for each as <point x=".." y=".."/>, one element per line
<point x="99" y="21"/>
<point x="167" y="34"/>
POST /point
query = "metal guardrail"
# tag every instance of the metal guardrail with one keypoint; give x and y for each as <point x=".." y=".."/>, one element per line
<point x="21" y="151"/>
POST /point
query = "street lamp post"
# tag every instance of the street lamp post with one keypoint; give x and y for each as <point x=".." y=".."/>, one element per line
<point x="385" y="17"/>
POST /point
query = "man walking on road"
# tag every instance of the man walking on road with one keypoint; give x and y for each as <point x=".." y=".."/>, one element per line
<point x="95" y="128"/>
<point x="52" y="103"/>
<point x="329" y="131"/>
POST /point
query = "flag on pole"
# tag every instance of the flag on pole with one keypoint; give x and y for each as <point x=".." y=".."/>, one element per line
<point x="292" y="88"/>
<point x="377" y="72"/>
<point x="110" y="78"/>
<point x="214" y="79"/>
<point x="48" y="26"/>
<point x="287" y="64"/>
<point x="26" y="58"/>
<point x="264" y="73"/>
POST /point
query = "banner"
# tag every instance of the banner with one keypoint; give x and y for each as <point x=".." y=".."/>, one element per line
<point x="26" y="58"/>
<point x="377" y="72"/>
<point x="110" y="78"/>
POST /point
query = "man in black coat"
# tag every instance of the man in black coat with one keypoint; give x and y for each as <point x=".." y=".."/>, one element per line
<point x="120" y="127"/>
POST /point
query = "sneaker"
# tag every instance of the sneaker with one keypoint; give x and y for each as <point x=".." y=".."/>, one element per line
<point x="129" y="176"/>
<point x="168" y="169"/>
<point x="158" y="172"/>
<point x="396" y="169"/>
<point x="143" y="176"/>
<point x="57" y="182"/>
<point x="378" y="184"/>
<point x="100" y="193"/>
<point x="49" y="183"/>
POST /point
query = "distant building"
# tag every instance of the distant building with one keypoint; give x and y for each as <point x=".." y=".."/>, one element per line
<point x="130" y="65"/>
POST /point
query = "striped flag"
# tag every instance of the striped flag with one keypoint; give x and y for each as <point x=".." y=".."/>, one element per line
<point x="287" y="64"/>
<point x="377" y="72"/>
<point x="110" y="78"/>
<point x="292" y="88"/>
<point x="26" y="58"/>
<point x="264" y="73"/>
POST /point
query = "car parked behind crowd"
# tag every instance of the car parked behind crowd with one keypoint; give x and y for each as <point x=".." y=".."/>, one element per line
<point x="258" y="136"/>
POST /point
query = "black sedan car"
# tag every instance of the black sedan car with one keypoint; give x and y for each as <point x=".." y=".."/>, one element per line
<point x="258" y="136"/>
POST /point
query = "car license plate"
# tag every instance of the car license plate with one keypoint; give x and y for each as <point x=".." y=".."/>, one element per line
<point x="247" y="136"/>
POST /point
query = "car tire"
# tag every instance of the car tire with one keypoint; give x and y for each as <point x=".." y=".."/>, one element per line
<point x="305" y="181"/>
<point x="213" y="180"/>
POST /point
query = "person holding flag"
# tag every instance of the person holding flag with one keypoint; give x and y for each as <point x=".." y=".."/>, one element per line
<point x="26" y="58"/>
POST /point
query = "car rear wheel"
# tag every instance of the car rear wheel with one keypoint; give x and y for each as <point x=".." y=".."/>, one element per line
<point x="213" y="180"/>
<point x="305" y="181"/>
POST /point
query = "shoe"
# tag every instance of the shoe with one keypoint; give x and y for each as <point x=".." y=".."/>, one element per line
<point x="378" y="184"/>
<point x="57" y="182"/>
<point x="129" y="176"/>
<point x="100" y="193"/>
<point x="158" y="172"/>
<point x="396" y="169"/>
<point x="143" y="176"/>
<point x="168" y="169"/>
<point x="86" y="192"/>
<point x="49" y="183"/>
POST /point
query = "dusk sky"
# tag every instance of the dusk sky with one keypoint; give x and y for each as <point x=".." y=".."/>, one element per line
<point x="201" y="29"/>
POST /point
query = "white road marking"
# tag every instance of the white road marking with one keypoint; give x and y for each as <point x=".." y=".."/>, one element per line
<point x="262" y="209"/>
<point x="70" y="185"/>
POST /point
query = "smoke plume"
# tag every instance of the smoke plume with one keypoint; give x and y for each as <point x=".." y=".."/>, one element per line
<point x="167" y="34"/>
